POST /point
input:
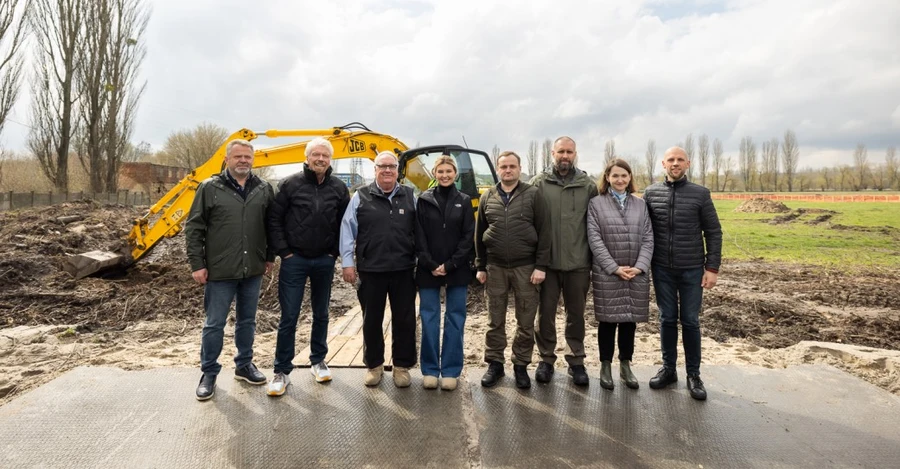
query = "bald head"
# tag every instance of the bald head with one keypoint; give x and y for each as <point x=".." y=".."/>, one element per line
<point x="675" y="162"/>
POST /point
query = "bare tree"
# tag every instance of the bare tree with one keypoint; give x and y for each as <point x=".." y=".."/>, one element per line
<point x="846" y="175"/>
<point x="495" y="152"/>
<point x="790" y="156"/>
<point x="776" y="171"/>
<point x="191" y="148"/>
<point x="13" y="30"/>
<point x="824" y="174"/>
<point x="58" y="27"/>
<point x="767" y="166"/>
<point x="609" y="151"/>
<point x="127" y="49"/>
<point x="717" y="163"/>
<point x="890" y="166"/>
<point x="703" y="157"/>
<point x="547" y="154"/>
<point x="878" y="176"/>
<point x="91" y="80"/>
<point x="726" y="174"/>
<point x="689" y="149"/>
<point x="650" y="159"/>
<point x="747" y="162"/>
<point x="861" y="165"/>
<point x="533" y="157"/>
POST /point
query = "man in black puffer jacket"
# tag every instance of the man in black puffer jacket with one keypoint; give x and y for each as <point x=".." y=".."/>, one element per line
<point x="304" y="229"/>
<point x="683" y="217"/>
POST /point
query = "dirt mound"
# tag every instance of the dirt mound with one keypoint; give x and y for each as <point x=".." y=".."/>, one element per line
<point x="760" y="205"/>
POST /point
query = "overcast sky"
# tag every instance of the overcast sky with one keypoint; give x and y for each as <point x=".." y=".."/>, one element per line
<point x="506" y="73"/>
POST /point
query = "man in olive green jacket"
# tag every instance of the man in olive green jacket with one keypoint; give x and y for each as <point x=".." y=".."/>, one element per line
<point x="512" y="250"/>
<point x="226" y="245"/>
<point x="567" y="191"/>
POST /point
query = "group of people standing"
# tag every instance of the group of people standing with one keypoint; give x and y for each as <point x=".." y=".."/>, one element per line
<point x="557" y="236"/>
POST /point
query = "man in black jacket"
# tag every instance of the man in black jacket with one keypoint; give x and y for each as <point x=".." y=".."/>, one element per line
<point x="683" y="217"/>
<point x="304" y="228"/>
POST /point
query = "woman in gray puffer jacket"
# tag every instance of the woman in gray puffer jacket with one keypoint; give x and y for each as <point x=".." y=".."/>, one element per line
<point x="621" y="238"/>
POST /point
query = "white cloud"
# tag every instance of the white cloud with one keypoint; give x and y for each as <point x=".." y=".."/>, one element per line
<point x="508" y="72"/>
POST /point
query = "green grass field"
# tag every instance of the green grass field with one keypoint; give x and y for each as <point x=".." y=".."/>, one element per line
<point x="868" y="235"/>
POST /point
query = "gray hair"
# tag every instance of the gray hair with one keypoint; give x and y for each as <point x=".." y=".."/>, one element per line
<point x="564" y="137"/>
<point x="236" y="142"/>
<point x="319" y="142"/>
<point x="386" y="153"/>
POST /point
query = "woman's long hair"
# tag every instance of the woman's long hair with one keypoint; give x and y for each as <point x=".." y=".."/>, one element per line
<point x="604" y="183"/>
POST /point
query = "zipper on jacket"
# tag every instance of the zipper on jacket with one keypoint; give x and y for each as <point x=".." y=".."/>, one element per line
<point x="672" y="228"/>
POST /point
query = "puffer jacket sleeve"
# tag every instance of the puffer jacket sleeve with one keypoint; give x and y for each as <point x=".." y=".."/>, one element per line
<point x="601" y="254"/>
<point x="712" y="233"/>
<point x="481" y="225"/>
<point x="645" y="256"/>
<point x="270" y="202"/>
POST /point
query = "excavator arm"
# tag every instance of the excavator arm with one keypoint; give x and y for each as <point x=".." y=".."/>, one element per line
<point x="165" y="218"/>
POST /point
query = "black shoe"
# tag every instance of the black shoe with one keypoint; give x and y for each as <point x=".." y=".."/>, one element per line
<point x="250" y="374"/>
<point x="579" y="375"/>
<point x="493" y="374"/>
<point x="695" y="386"/>
<point x="664" y="377"/>
<point x="207" y="387"/>
<point x="544" y="372"/>
<point x="522" y="379"/>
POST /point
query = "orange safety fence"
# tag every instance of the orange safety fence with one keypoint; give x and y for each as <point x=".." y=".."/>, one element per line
<point x="811" y="197"/>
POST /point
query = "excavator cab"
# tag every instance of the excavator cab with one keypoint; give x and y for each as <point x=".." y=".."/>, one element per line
<point x="475" y="173"/>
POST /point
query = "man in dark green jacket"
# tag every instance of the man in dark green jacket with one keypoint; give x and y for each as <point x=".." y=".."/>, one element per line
<point x="227" y="249"/>
<point x="567" y="191"/>
<point x="512" y="249"/>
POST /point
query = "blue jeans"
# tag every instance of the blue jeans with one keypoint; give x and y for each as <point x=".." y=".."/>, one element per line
<point x="674" y="288"/>
<point x="217" y="299"/>
<point x="446" y="361"/>
<point x="291" y="283"/>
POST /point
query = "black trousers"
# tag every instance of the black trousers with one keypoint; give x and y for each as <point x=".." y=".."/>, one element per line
<point x="606" y="336"/>
<point x="400" y="288"/>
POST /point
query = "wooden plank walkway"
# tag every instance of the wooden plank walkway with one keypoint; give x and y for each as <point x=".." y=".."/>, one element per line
<point x="345" y="341"/>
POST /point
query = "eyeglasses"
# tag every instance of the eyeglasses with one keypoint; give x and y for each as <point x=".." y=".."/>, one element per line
<point x="386" y="167"/>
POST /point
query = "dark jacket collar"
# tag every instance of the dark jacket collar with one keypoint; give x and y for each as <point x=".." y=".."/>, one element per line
<point x="429" y="194"/>
<point x="677" y="183"/>
<point x="310" y="175"/>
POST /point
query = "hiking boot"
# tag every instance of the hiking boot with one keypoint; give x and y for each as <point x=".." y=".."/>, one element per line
<point x="429" y="382"/>
<point x="544" y="372"/>
<point x="493" y="374"/>
<point x="449" y="384"/>
<point x="579" y="375"/>
<point x="401" y="377"/>
<point x="522" y="379"/>
<point x="606" y="381"/>
<point x="373" y="375"/>
<point x="664" y="377"/>
<point x="626" y="374"/>
<point x="321" y="372"/>
<point x="695" y="386"/>
<point x="278" y="385"/>
<point x="250" y="374"/>
<point x="207" y="387"/>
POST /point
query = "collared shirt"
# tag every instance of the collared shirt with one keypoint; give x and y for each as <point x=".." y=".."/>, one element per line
<point x="241" y="190"/>
<point x="350" y="226"/>
<point x="505" y="196"/>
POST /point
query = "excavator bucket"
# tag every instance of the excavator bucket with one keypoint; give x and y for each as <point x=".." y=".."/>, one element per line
<point x="93" y="262"/>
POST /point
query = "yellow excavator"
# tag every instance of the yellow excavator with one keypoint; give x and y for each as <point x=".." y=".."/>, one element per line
<point x="164" y="219"/>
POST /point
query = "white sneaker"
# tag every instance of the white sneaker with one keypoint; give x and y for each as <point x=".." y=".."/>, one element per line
<point x="321" y="372"/>
<point x="278" y="385"/>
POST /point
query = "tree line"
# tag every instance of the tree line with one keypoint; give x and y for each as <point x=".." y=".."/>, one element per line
<point x="770" y="167"/>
